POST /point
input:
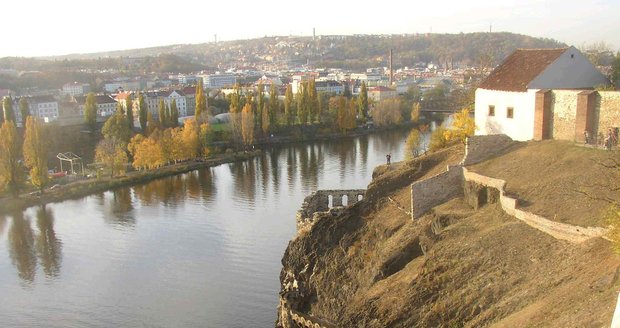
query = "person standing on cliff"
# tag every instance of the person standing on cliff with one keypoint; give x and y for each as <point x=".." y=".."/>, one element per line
<point x="388" y="158"/>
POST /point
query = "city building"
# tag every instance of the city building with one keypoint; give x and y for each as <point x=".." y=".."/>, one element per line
<point x="75" y="89"/>
<point x="218" y="81"/>
<point x="106" y="106"/>
<point x="381" y="93"/>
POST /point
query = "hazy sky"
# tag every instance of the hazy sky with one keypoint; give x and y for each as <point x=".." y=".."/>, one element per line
<point x="38" y="28"/>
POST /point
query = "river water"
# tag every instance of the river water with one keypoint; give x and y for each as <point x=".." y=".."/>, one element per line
<point x="201" y="249"/>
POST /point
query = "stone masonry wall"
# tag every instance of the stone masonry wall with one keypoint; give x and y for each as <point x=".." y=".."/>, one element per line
<point x="481" y="148"/>
<point x="318" y="203"/>
<point x="564" y="108"/>
<point x="608" y="109"/>
<point x="436" y="190"/>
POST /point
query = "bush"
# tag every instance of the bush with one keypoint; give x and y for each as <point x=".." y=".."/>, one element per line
<point x="438" y="139"/>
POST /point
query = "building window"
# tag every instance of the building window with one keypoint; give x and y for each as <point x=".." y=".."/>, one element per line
<point x="509" y="112"/>
<point x="491" y="110"/>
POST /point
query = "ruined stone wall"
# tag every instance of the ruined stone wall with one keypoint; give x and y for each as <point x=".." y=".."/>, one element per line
<point x="564" y="109"/>
<point x="436" y="190"/>
<point x="317" y="203"/>
<point x="575" y="234"/>
<point x="481" y="148"/>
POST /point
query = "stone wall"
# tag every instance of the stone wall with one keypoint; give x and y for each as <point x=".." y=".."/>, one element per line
<point x="481" y="148"/>
<point x="564" y="107"/>
<point x="608" y="109"/>
<point x="558" y="230"/>
<point x="436" y="190"/>
<point x="318" y="203"/>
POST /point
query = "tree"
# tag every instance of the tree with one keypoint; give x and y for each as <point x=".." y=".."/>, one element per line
<point x="142" y="112"/>
<point x="10" y="170"/>
<point x="151" y="123"/>
<point x="302" y="103"/>
<point x="273" y="104"/>
<point x="235" y="114"/>
<point x="120" y="108"/>
<point x="247" y="124"/>
<point x="387" y="112"/>
<point x="116" y="128"/>
<point x="7" y="105"/>
<point x="412" y="145"/>
<point x="438" y="139"/>
<point x="462" y="126"/>
<point x="174" y="113"/>
<point x="161" y="110"/>
<point x="313" y="101"/>
<point x="260" y="103"/>
<point x="288" y="105"/>
<point x="615" y="73"/>
<point x="90" y="111"/>
<point x="35" y="152"/>
<point x="415" y="112"/>
<point x="190" y="138"/>
<point x="129" y="111"/>
<point x="265" y="122"/>
<point x="24" y="109"/>
<point x="201" y="103"/>
<point x="111" y="154"/>
<point x="363" y="103"/>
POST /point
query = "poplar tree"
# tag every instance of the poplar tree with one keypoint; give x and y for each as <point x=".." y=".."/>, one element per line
<point x="142" y="113"/>
<point x="313" y="106"/>
<point x="201" y="102"/>
<point x="265" y="120"/>
<point x="10" y="171"/>
<point x="260" y="103"/>
<point x="174" y="114"/>
<point x="161" y="111"/>
<point x="273" y="104"/>
<point x="288" y="105"/>
<point x="35" y="152"/>
<point x="129" y="111"/>
<point x="7" y="105"/>
<point x="24" y="110"/>
<point x="302" y="103"/>
<point x="247" y="124"/>
<point x="90" y="111"/>
<point x="363" y="102"/>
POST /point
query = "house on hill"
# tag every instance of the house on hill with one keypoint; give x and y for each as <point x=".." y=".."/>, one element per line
<point x="516" y="98"/>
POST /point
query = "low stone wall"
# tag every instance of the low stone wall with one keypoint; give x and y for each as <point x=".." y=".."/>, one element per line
<point x="558" y="230"/>
<point x="436" y="190"/>
<point x="318" y="203"/>
<point x="481" y="148"/>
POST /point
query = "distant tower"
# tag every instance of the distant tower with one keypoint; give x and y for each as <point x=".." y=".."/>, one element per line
<point x="215" y="38"/>
<point x="490" y="28"/>
<point x="391" y="71"/>
<point x="313" y="34"/>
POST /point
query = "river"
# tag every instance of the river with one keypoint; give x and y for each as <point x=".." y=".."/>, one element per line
<point x="200" y="249"/>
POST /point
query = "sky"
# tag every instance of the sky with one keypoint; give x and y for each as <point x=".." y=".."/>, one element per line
<point x="60" y="27"/>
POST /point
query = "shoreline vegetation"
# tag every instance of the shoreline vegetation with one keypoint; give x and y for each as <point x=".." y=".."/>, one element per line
<point x="89" y="186"/>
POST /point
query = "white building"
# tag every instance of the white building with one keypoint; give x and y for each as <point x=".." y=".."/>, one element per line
<point x="106" y="106"/>
<point x="44" y="107"/>
<point x="507" y="101"/>
<point x="218" y="81"/>
<point x="75" y="89"/>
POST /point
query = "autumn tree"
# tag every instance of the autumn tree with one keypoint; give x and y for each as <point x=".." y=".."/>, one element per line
<point x="190" y="138"/>
<point x="203" y="132"/>
<point x="235" y="113"/>
<point x="147" y="153"/>
<point x="90" y="111"/>
<point x="265" y="121"/>
<point x="35" y="152"/>
<point x="129" y="111"/>
<point x="110" y="153"/>
<point x="7" y="105"/>
<point x="345" y="114"/>
<point x="415" y="112"/>
<point x="174" y="113"/>
<point x="387" y="112"/>
<point x="463" y="126"/>
<point x="247" y="124"/>
<point x="412" y="144"/>
<point x="438" y="139"/>
<point x="142" y="113"/>
<point x="302" y="103"/>
<point x="10" y="170"/>
<point x="116" y="128"/>
<point x="201" y="103"/>
<point x="151" y="123"/>
<point x="615" y="71"/>
<point x="273" y="105"/>
<point x="312" y="100"/>
<point x="260" y="103"/>
<point x="120" y="108"/>
<point x="363" y="103"/>
<point x="24" y="109"/>
<point x="288" y="105"/>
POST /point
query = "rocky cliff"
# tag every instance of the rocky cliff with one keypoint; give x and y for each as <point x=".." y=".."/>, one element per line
<point x="372" y="265"/>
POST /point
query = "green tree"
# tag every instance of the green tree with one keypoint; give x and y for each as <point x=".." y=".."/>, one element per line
<point x="35" y="152"/>
<point x="161" y="111"/>
<point x="615" y="73"/>
<point x="247" y="124"/>
<point x="7" y="105"/>
<point x="313" y="101"/>
<point x="116" y="128"/>
<point x="174" y="114"/>
<point x="120" y="108"/>
<point x="129" y="111"/>
<point x="90" y="111"/>
<point x="363" y="103"/>
<point x="10" y="170"/>
<point x="288" y="105"/>
<point x="412" y="145"/>
<point x="142" y="112"/>
<point x="110" y="153"/>
<point x="302" y="103"/>
<point x="260" y="103"/>
<point x="24" y="109"/>
<point x="201" y="103"/>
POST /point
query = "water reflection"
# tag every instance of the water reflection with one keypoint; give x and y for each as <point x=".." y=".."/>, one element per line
<point x="48" y="246"/>
<point x="21" y="248"/>
<point x="3" y="221"/>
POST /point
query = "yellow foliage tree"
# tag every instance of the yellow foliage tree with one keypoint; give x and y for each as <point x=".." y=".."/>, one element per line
<point x="35" y="152"/>
<point x="190" y="139"/>
<point x="247" y="124"/>
<point x="415" y="112"/>
<point x="412" y="145"/>
<point x="201" y="140"/>
<point x="438" y="139"/>
<point x="387" y="112"/>
<point x="462" y="126"/>
<point x="110" y="152"/>
<point x="10" y="171"/>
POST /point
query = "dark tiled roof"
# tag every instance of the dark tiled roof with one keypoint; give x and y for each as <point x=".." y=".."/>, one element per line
<point x="520" y="68"/>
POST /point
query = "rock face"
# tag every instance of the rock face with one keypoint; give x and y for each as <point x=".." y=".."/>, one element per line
<point x="458" y="265"/>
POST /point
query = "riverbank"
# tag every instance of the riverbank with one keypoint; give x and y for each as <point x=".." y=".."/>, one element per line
<point x="89" y="186"/>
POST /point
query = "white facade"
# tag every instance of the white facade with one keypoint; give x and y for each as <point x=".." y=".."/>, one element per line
<point x="519" y="127"/>
<point x="180" y="100"/>
<point x="75" y="89"/>
<point x="217" y="81"/>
